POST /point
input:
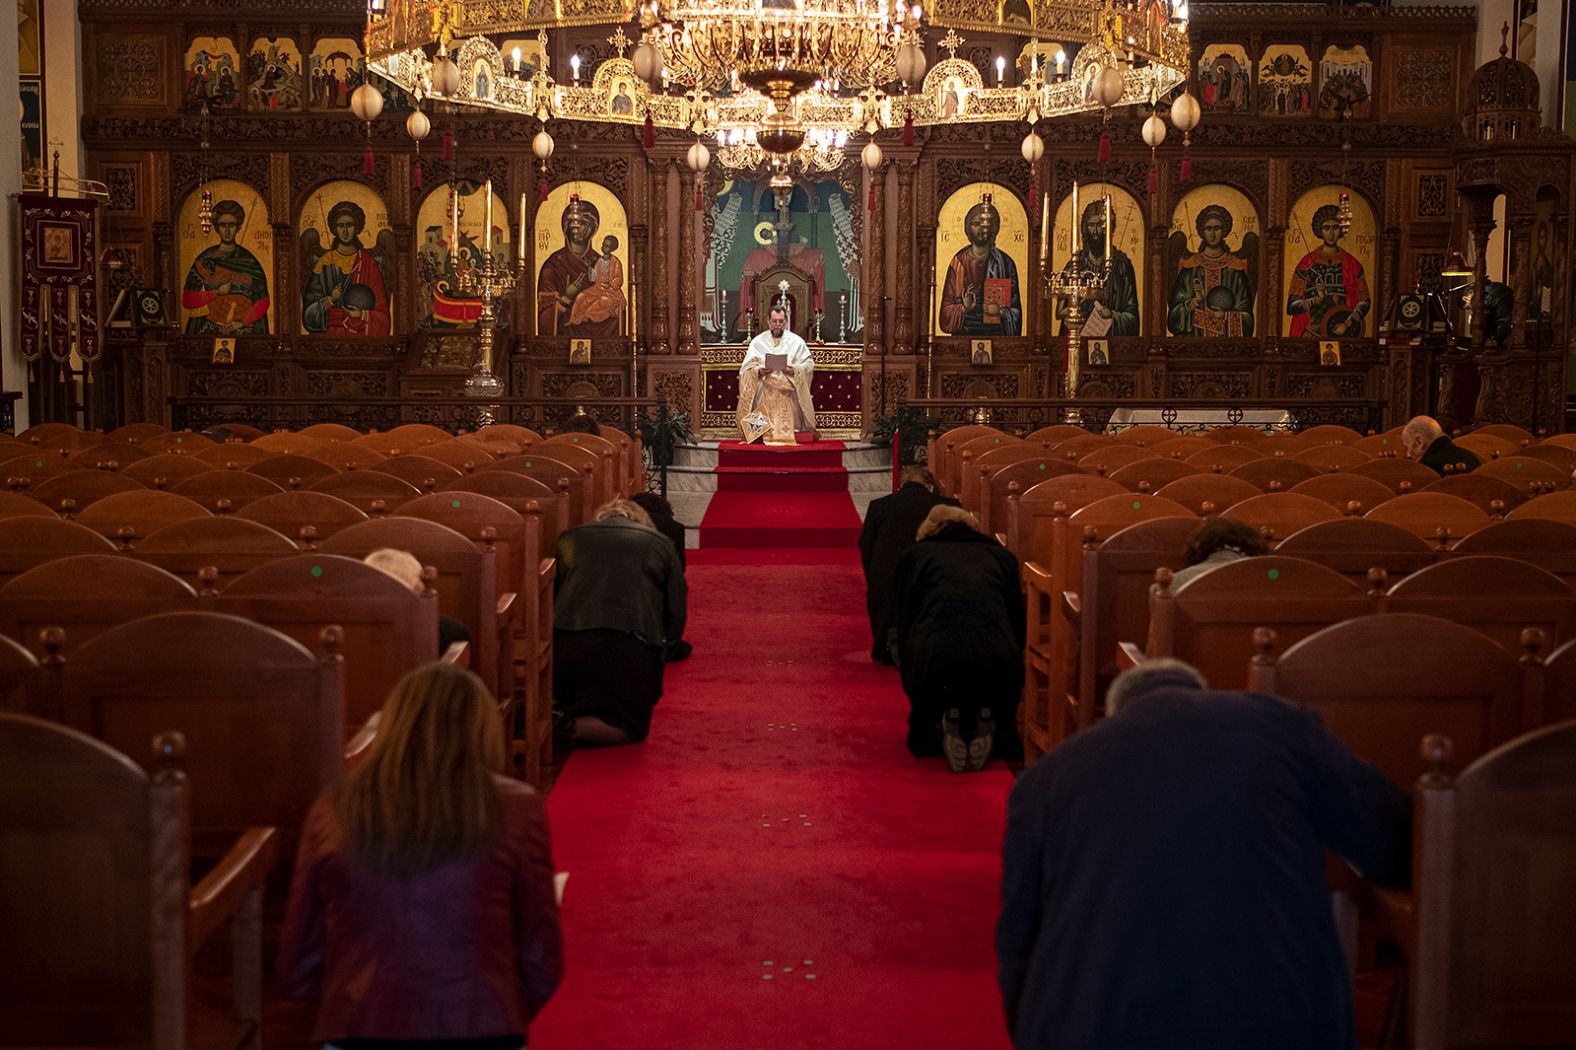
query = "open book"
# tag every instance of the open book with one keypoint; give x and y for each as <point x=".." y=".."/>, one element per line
<point x="776" y="363"/>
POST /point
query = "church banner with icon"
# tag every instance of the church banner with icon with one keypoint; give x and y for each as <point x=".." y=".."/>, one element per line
<point x="59" y="310"/>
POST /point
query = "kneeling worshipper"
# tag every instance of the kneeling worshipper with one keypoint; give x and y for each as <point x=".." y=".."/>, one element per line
<point x="774" y="384"/>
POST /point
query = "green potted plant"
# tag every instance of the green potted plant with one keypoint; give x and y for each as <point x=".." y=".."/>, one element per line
<point x="664" y="433"/>
<point x="912" y="428"/>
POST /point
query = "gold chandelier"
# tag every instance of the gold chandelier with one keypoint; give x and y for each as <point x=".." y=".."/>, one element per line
<point x="785" y="84"/>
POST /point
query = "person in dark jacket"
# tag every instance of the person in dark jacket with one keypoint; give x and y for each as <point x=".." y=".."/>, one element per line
<point x="618" y="599"/>
<point x="960" y="634"/>
<point x="1425" y="441"/>
<point x="422" y="910"/>
<point x="890" y="524"/>
<point x="661" y="513"/>
<point x="1163" y="879"/>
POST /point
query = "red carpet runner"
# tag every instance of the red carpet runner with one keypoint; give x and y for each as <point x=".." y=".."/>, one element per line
<point x="780" y="497"/>
<point x="771" y="870"/>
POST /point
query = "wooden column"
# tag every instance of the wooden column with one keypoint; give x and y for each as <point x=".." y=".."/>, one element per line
<point x="874" y="286"/>
<point x="689" y="322"/>
<point x="639" y="205"/>
<point x="903" y="316"/>
<point x="658" y="288"/>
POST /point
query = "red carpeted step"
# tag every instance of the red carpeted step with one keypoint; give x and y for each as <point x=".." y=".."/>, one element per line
<point x="815" y="454"/>
<point x="780" y="519"/>
<point x="772" y="479"/>
<point x="771" y="870"/>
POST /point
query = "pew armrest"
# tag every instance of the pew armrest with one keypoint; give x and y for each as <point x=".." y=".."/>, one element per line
<point x="1072" y="606"/>
<point x="506" y="607"/>
<point x="222" y="892"/>
<point x="458" y="654"/>
<point x="1128" y="656"/>
<point x="358" y="746"/>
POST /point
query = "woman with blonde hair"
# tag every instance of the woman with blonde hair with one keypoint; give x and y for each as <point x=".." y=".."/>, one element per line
<point x="618" y="600"/>
<point x="422" y="909"/>
<point x="960" y="635"/>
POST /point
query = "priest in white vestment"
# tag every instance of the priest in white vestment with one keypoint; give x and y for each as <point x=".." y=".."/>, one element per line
<point x="775" y="404"/>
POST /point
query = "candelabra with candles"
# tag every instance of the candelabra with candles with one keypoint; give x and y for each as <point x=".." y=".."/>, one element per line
<point x="1074" y="283"/>
<point x="491" y="278"/>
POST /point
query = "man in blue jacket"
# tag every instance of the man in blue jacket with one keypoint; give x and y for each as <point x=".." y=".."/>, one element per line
<point x="1163" y="882"/>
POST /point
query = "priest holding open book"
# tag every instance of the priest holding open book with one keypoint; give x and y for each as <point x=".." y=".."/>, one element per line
<point x="774" y="384"/>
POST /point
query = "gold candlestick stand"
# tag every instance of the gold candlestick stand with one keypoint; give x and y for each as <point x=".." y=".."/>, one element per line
<point x="491" y="280"/>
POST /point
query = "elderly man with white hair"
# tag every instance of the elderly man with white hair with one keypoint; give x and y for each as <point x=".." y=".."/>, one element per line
<point x="1425" y="441"/>
<point x="1163" y="881"/>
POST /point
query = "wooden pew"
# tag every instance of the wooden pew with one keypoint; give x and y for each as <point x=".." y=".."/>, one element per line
<point x="1030" y="513"/>
<point x="364" y="489"/>
<point x="345" y="455"/>
<point x="387" y="630"/>
<point x="1328" y="459"/>
<point x="333" y="433"/>
<point x="1491" y="495"/>
<point x="1184" y="445"/>
<point x="422" y="472"/>
<point x="263" y="718"/>
<point x="1434" y="516"/>
<point x="1342" y="490"/>
<point x="233" y="455"/>
<point x="225" y="491"/>
<point x="1153" y="474"/>
<point x="132" y="515"/>
<point x="1108" y="460"/>
<point x="165" y="470"/>
<point x="16" y="505"/>
<point x="110" y="455"/>
<point x="288" y="443"/>
<point x="87" y="595"/>
<point x="463" y="456"/>
<point x="292" y="471"/>
<point x="29" y="542"/>
<point x="1396" y="473"/>
<point x="1275" y="473"/>
<point x="100" y="922"/>
<point x="1550" y="545"/>
<point x="76" y="490"/>
<point x="1279" y="514"/>
<point x="979" y="469"/>
<point x="1555" y="506"/>
<point x="1381" y="682"/>
<point x="557" y="475"/>
<point x="1209" y="621"/>
<point x="596" y="469"/>
<point x="944" y="454"/>
<point x="1219" y="491"/>
<point x="1494" y="944"/>
<point x="1559" y="685"/>
<point x="519" y="492"/>
<point x="1354" y="547"/>
<point x="1527" y="473"/>
<point x="1331" y="434"/>
<point x="1107" y="602"/>
<point x="609" y="469"/>
<point x="1222" y="459"/>
<point x="996" y="488"/>
<point x="1145" y="435"/>
<point x="226" y="546"/>
<point x="1496" y="596"/>
<point x="287" y="513"/>
<point x="467" y="582"/>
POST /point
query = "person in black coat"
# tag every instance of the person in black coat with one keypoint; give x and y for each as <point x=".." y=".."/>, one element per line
<point x="1425" y="441"/>
<point x="1163" y="879"/>
<point x="890" y="525"/>
<point x="960" y="634"/>
<point x="662" y="519"/>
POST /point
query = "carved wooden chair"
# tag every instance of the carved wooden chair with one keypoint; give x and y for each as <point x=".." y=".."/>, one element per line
<point x="1554" y="506"/>
<point x="422" y="472"/>
<point x="598" y="468"/>
<point x="290" y="471"/>
<point x="76" y="490"/>
<point x="571" y="484"/>
<point x="1031" y="511"/>
<point x="1527" y="473"/>
<point x="996" y="487"/>
<point x="1209" y="493"/>
<point x="1550" y="545"/>
<point x="1153" y="473"/>
<point x="346" y="455"/>
<point x="1434" y="516"/>
<point x="86" y="833"/>
<point x="166" y="470"/>
<point x="978" y="470"/>
<point x="234" y="455"/>
<point x="1275" y="473"/>
<point x="944" y="463"/>
<point x="1330" y="459"/>
<point x="1400" y="474"/>
<point x="129" y="516"/>
<point x="1342" y="490"/>
<point x="1279" y="514"/>
<point x="1354" y="547"/>
<point x="519" y="492"/>
<point x="1222" y="459"/>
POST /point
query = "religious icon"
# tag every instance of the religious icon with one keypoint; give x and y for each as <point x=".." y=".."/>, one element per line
<point x="273" y="74"/>
<point x="953" y="96"/>
<point x="980" y="351"/>
<point x="1016" y="12"/>
<point x="226" y="287"/>
<point x="1223" y="78"/>
<point x="1285" y="82"/>
<point x="580" y="351"/>
<point x="622" y="103"/>
<point x="453" y="221"/>
<point x="1346" y="79"/>
<point x="223" y="352"/>
<point x="1329" y="353"/>
<point x="335" y="70"/>
<point x="533" y="56"/>
<point x="580" y="286"/>
<point x="1541" y="299"/>
<point x="1214" y="287"/>
<point x="1114" y="309"/>
<point x="1327" y="291"/>
<point x="1099" y="351"/>
<point x="57" y="246"/>
<point x="481" y="78"/>
<point x="213" y="74"/>
<point x="979" y="287"/>
<point x="345" y="283"/>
